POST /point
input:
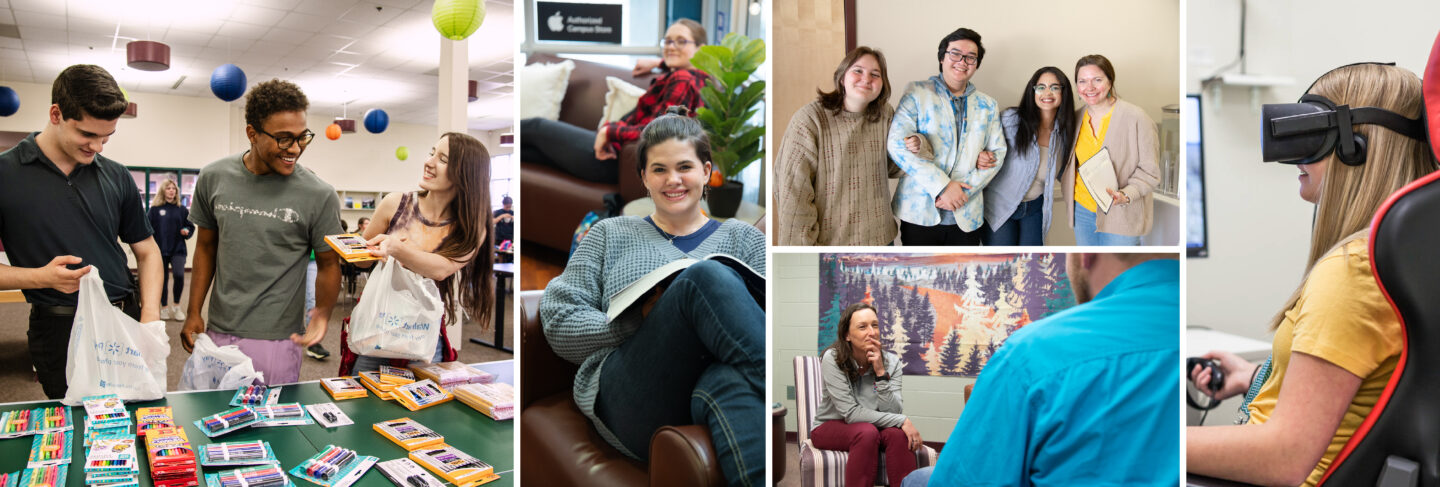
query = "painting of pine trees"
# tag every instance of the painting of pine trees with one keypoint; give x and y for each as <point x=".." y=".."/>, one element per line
<point x="944" y="314"/>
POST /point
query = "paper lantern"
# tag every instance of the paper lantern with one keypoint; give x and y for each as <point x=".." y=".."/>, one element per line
<point x="227" y="82"/>
<point x="9" y="101"/>
<point x="457" y="19"/>
<point x="333" y="131"/>
<point x="147" y="55"/>
<point x="376" y="120"/>
<point x="402" y="153"/>
<point x="124" y="94"/>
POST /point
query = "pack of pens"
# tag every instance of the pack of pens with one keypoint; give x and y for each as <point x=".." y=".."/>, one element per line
<point x="454" y="465"/>
<point x="227" y="421"/>
<point x="262" y="476"/>
<point x="25" y="422"/>
<point x="48" y="476"/>
<point x="334" y="467"/>
<point x="237" y="454"/>
<point x="496" y="400"/>
<point x="51" y="448"/>
<point x="112" y="461"/>
<point x="404" y="472"/>
<point x="343" y="388"/>
<point x="451" y="374"/>
<point x="408" y="433"/>
<point x="371" y="380"/>
<point x="389" y="374"/>
<point x="255" y="396"/>
<point x="147" y="419"/>
<point x="288" y="414"/>
<point x="172" y="458"/>
<point x="420" y="395"/>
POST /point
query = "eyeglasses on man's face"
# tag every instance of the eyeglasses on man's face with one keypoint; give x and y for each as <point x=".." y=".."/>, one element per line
<point x="681" y="43"/>
<point x="955" y="55"/>
<point x="286" y="141"/>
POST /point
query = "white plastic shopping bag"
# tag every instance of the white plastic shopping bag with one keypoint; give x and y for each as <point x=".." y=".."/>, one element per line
<point x="110" y="352"/>
<point x="398" y="315"/>
<point x="215" y="367"/>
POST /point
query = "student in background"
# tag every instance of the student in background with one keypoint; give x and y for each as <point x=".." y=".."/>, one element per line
<point x="171" y="223"/>
<point x="504" y="221"/>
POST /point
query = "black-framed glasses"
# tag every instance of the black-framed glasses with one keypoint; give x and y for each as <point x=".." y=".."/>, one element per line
<point x="681" y="43"/>
<point x="955" y="55"/>
<point x="285" y="142"/>
<point x="1041" y="88"/>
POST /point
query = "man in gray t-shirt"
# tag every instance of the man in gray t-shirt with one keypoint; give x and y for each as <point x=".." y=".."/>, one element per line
<point x="259" y="215"/>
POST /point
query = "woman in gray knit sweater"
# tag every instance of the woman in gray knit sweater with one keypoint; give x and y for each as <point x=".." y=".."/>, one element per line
<point x="693" y="350"/>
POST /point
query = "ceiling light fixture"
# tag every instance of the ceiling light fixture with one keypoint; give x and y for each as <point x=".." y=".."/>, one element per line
<point x="147" y="55"/>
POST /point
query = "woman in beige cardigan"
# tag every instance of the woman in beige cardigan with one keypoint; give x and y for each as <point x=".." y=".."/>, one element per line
<point x="1127" y="135"/>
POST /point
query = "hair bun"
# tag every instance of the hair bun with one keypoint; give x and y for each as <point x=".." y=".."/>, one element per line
<point x="680" y="110"/>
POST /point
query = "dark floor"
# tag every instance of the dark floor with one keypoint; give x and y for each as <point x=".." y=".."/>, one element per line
<point x="17" y="380"/>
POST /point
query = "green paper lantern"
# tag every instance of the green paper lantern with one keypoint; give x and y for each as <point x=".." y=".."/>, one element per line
<point x="125" y="94"/>
<point x="402" y="153"/>
<point x="457" y="19"/>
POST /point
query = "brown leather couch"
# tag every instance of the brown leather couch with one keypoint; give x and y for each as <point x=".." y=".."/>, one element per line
<point x="559" y="447"/>
<point x="561" y="199"/>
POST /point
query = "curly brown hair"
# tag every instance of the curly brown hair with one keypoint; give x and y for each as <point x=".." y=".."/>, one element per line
<point x="271" y="97"/>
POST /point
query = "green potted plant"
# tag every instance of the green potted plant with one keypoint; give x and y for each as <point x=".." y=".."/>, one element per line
<point x="731" y="100"/>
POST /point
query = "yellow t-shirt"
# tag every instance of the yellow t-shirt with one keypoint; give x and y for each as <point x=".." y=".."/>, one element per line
<point x="1086" y="146"/>
<point x="1342" y="318"/>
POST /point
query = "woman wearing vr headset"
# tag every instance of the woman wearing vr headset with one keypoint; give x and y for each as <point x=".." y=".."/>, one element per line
<point x="1336" y="339"/>
<point x="1122" y="131"/>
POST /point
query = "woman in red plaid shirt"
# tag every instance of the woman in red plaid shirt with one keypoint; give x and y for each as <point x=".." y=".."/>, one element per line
<point x="570" y="148"/>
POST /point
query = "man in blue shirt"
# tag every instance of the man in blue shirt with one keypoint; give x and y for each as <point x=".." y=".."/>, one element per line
<point x="1088" y="396"/>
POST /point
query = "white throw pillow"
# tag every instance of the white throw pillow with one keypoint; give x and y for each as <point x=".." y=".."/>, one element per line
<point x="542" y="87"/>
<point x="619" y="100"/>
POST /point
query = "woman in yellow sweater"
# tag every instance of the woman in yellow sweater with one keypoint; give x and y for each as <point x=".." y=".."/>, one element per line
<point x="1336" y="339"/>
<point x="1109" y="126"/>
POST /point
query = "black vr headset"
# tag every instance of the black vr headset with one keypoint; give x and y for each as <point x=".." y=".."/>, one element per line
<point x="1307" y="131"/>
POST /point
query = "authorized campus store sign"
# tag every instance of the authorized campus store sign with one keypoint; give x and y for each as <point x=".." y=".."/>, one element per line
<point x="579" y="22"/>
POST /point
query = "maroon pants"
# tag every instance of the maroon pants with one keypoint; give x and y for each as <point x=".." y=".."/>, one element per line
<point x="864" y="441"/>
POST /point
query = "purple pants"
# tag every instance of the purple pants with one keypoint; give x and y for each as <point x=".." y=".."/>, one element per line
<point x="863" y="441"/>
<point x="279" y="360"/>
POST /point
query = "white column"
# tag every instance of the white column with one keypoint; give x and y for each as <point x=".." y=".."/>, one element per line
<point x="454" y="85"/>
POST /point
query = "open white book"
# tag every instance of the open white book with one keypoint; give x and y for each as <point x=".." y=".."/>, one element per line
<point x="637" y="290"/>
<point x="1098" y="173"/>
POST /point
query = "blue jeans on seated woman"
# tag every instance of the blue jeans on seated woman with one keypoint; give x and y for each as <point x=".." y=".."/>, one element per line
<point x="1087" y="235"/>
<point x="1024" y="227"/>
<point x="698" y="358"/>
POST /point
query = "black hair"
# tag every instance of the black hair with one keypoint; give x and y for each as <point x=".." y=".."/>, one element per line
<point x="87" y="89"/>
<point x="1030" y="115"/>
<point x="675" y="124"/>
<point x="271" y="97"/>
<point x="961" y="34"/>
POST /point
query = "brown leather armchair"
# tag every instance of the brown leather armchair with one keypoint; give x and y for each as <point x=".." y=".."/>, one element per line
<point x="564" y="199"/>
<point x="558" y="446"/>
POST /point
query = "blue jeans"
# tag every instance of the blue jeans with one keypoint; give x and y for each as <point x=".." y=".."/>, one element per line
<point x="1026" y="226"/>
<point x="919" y="478"/>
<point x="698" y="358"/>
<point x="309" y="291"/>
<point x="366" y="362"/>
<point x="1087" y="235"/>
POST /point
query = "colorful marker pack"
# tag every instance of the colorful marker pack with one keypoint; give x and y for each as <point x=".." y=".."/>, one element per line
<point x="172" y="458"/>
<point x="496" y="400"/>
<point x="451" y="374"/>
<point x="421" y="395"/>
<point x="263" y="476"/>
<point x="408" y="433"/>
<point x="113" y="461"/>
<point x="10" y="479"/>
<point x="404" y="472"/>
<point x="255" y="396"/>
<point x="14" y="424"/>
<point x="227" y="421"/>
<point x="51" y="448"/>
<point x="454" y="465"/>
<point x="288" y="414"/>
<point x="237" y="454"/>
<point x="395" y="375"/>
<point x="57" y="418"/>
<point x="151" y="418"/>
<point x="94" y="433"/>
<point x="49" y="476"/>
<point x="342" y="388"/>
<point x="105" y="411"/>
<point x="334" y="466"/>
<point x="328" y="414"/>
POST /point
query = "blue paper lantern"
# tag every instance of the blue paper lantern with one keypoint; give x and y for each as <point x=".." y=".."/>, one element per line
<point x="376" y="120"/>
<point x="9" y="101"/>
<point x="228" y="82"/>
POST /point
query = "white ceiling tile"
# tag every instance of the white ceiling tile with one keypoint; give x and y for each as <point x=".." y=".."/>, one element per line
<point x="273" y="48"/>
<point x="183" y="37"/>
<point x="6" y="16"/>
<point x="368" y="15"/>
<point x="200" y="25"/>
<point x="44" y="6"/>
<point x="346" y="28"/>
<point x="34" y="46"/>
<point x="275" y="4"/>
<point x="291" y="36"/>
<point x="39" y="20"/>
<point x="258" y="15"/>
<point x="13" y="54"/>
<point x="332" y="8"/>
<point x="242" y="30"/>
<point x="305" y="22"/>
<point x="333" y="42"/>
<point x="235" y="45"/>
<point x="255" y="58"/>
<point x="11" y="43"/>
<point x="90" y="41"/>
<point x="399" y="4"/>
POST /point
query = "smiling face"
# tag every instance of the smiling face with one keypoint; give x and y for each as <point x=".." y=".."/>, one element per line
<point x="266" y="149"/>
<point x="675" y="177"/>
<point x="957" y="71"/>
<point x="1311" y="176"/>
<point x="863" y="81"/>
<point x="1048" y="99"/>
<point x="864" y="325"/>
<point x="81" y="139"/>
<point x="1092" y="84"/>
<point x="679" y="46"/>
<point x="170" y="191"/>
<point x="435" y="174"/>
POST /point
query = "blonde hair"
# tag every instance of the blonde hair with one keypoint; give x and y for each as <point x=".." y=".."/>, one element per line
<point x="160" y="194"/>
<point x="1350" y="195"/>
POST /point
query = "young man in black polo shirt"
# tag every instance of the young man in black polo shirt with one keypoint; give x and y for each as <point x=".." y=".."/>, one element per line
<point x="62" y="206"/>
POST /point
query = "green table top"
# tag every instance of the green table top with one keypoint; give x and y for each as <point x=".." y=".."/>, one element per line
<point x="463" y="427"/>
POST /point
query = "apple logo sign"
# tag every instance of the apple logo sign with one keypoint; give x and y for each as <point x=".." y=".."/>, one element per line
<point x="557" y="22"/>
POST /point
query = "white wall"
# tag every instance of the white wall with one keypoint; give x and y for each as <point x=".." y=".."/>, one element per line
<point x="1259" y="227"/>
<point x="933" y="404"/>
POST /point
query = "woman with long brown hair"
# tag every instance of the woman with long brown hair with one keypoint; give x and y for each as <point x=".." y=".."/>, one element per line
<point x="441" y="232"/>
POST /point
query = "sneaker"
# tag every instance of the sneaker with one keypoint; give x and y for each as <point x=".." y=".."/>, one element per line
<point x="165" y="313"/>
<point x="317" y="352"/>
<point x="179" y="313"/>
